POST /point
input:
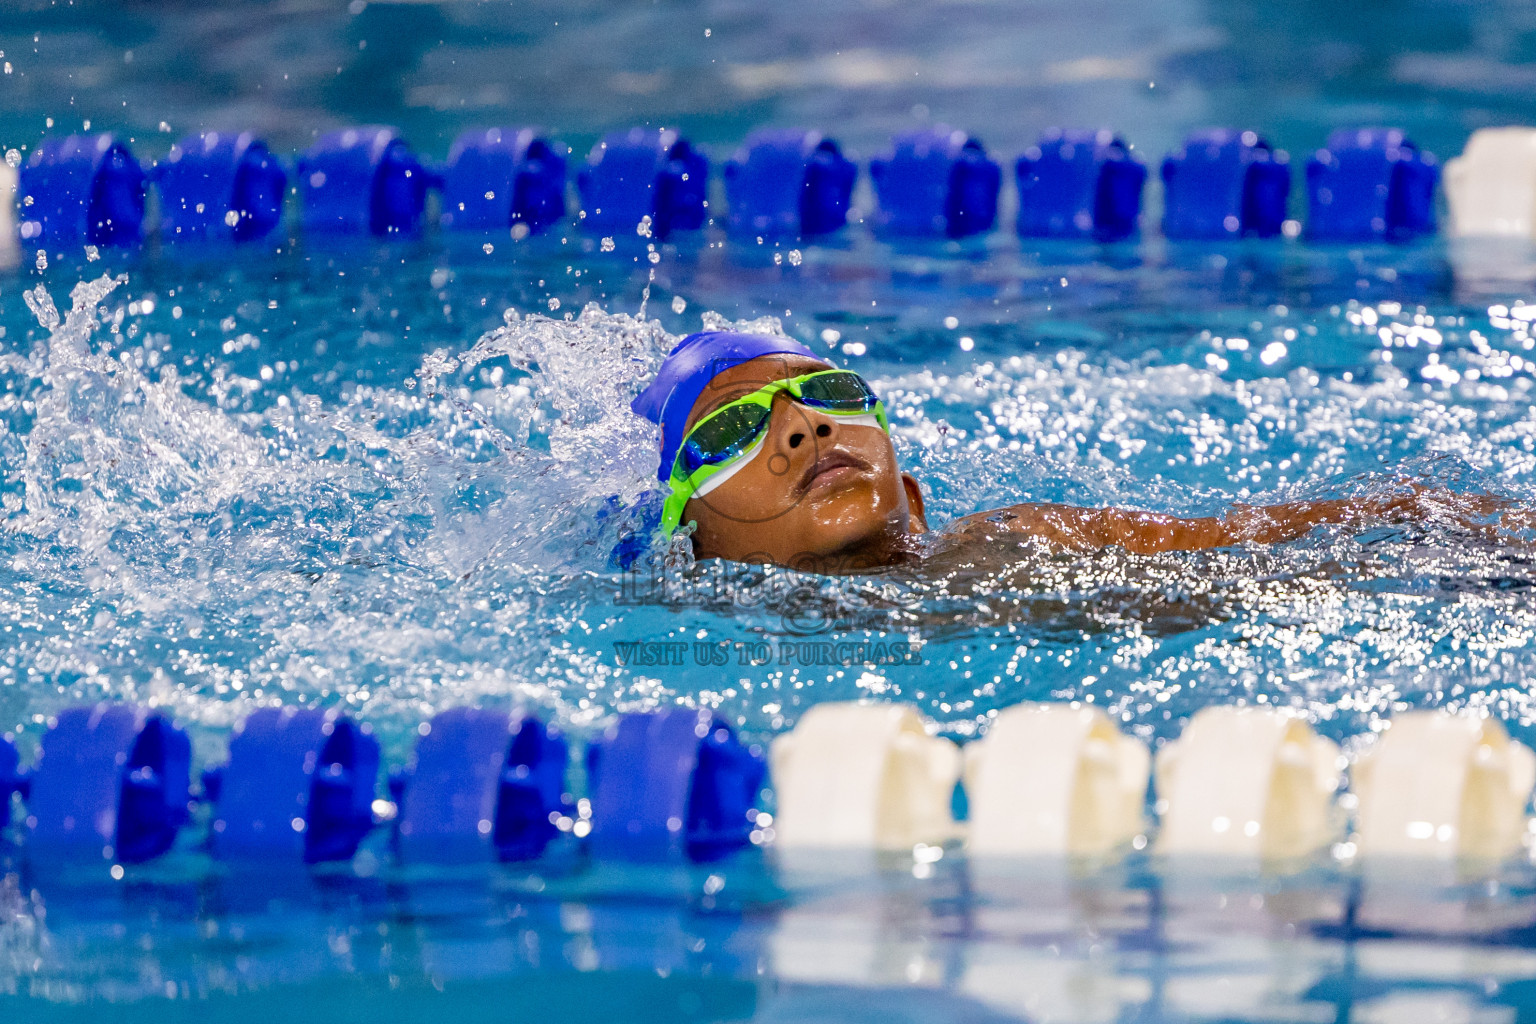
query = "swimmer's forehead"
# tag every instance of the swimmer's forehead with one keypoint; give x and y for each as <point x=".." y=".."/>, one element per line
<point x="745" y="378"/>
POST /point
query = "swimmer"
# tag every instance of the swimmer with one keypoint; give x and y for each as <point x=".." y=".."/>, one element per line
<point x="773" y="455"/>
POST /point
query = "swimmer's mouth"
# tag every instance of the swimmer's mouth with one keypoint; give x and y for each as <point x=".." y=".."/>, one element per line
<point x="832" y="467"/>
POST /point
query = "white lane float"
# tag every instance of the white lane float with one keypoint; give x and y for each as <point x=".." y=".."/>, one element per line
<point x="1491" y="187"/>
<point x="1443" y="786"/>
<point x="854" y="776"/>
<point x="1252" y="782"/>
<point x="10" y="250"/>
<point x="1054" y="780"/>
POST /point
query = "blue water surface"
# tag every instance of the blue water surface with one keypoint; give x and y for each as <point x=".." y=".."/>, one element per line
<point x="391" y="477"/>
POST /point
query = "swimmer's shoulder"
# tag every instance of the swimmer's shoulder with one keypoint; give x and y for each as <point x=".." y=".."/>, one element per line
<point x="1057" y="525"/>
<point x="998" y="520"/>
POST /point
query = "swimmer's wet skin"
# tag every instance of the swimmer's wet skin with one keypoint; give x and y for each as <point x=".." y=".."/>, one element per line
<point x="775" y="456"/>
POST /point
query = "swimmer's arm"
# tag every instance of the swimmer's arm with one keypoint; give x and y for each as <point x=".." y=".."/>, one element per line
<point x="1089" y="529"/>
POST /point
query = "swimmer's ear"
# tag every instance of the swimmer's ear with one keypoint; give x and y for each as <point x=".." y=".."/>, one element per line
<point x="918" y="523"/>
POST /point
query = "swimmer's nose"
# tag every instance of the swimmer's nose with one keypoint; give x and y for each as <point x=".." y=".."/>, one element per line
<point x="822" y="430"/>
<point x="800" y="423"/>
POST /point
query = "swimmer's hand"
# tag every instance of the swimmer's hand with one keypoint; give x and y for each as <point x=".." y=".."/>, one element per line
<point x="1068" y="528"/>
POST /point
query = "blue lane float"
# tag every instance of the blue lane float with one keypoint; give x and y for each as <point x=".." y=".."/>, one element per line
<point x="299" y="785"/>
<point x="362" y="181"/>
<point x="1371" y="184"/>
<point x="499" y="178"/>
<point x="82" y="189"/>
<point x="788" y="182"/>
<point x="1367" y="184"/>
<point x="483" y="784"/>
<point x="644" y="173"/>
<point x="936" y="182"/>
<point x="1225" y="184"/>
<point x="10" y="778"/>
<point x="1079" y="184"/>
<point x="220" y="186"/>
<point x="673" y="784"/>
<point x="112" y="782"/>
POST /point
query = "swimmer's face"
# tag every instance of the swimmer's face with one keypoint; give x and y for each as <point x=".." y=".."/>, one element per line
<point x="823" y="494"/>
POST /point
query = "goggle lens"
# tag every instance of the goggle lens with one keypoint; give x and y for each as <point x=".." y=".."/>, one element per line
<point x="841" y="391"/>
<point x="723" y="436"/>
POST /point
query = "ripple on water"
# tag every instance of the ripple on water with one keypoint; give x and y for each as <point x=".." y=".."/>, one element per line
<point x="198" y="537"/>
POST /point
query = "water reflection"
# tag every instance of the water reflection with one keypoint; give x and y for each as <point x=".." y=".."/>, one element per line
<point x="1140" y="940"/>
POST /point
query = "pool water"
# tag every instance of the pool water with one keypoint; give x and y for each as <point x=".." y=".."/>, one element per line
<point x="393" y="478"/>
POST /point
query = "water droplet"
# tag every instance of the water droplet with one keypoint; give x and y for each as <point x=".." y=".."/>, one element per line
<point x="42" y="307"/>
<point x="679" y="304"/>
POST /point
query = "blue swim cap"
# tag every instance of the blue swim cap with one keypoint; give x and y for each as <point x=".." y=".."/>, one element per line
<point x="687" y="371"/>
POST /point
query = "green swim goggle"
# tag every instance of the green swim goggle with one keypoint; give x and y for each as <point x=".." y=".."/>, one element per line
<point x="728" y="438"/>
